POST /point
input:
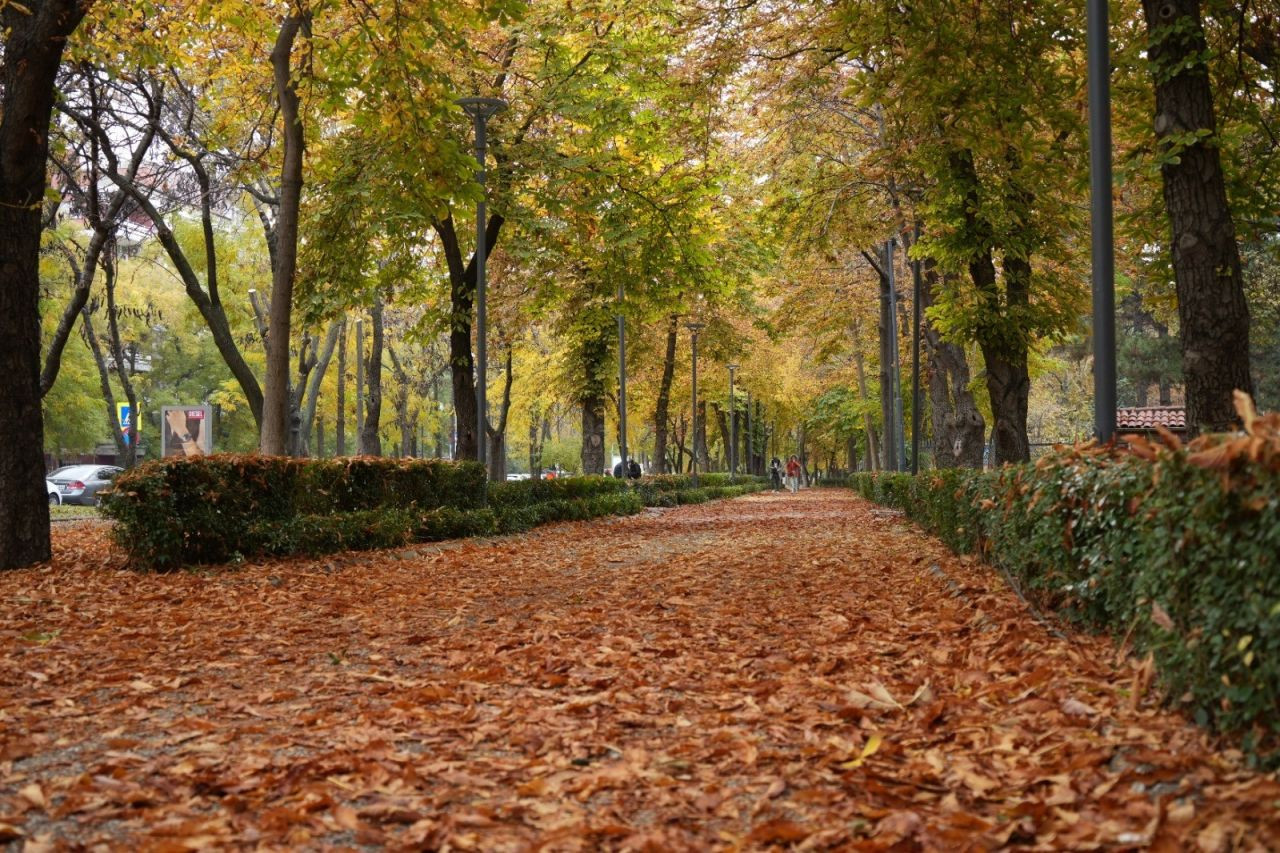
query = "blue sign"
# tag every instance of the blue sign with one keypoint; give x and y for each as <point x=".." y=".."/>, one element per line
<point x="125" y="416"/>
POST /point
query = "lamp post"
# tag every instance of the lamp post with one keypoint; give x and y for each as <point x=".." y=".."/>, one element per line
<point x="895" y="361"/>
<point x="733" y="426"/>
<point x="751" y="442"/>
<point x="1100" y="221"/>
<point x="481" y="110"/>
<point x="622" y="381"/>
<point x="695" y="327"/>
<point x="916" y="287"/>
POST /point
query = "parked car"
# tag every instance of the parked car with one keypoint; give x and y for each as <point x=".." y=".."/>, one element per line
<point x="55" y="496"/>
<point x="81" y="484"/>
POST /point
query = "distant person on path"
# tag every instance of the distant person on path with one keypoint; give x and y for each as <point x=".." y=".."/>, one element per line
<point x="775" y="473"/>
<point x="633" y="470"/>
<point x="793" y="473"/>
<point x="617" y="470"/>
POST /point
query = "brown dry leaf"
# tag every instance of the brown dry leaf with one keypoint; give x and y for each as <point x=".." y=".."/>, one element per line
<point x="1075" y="708"/>
<point x="1161" y="617"/>
<point x="34" y="795"/>
<point x="513" y="694"/>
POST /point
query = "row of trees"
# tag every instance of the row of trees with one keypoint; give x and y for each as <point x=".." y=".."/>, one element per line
<point x="232" y="186"/>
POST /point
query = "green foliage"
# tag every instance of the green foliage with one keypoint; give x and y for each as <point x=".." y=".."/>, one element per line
<point x="1178" y="550"/>
<point x="212" y="509"/>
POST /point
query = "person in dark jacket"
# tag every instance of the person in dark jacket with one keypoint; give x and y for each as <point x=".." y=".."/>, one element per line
<point x="633" y="470"/>
<point x="775" y="474"/>
<point x="617" y="470"/>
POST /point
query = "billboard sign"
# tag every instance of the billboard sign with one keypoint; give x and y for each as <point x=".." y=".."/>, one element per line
<point x="188" y="430"/>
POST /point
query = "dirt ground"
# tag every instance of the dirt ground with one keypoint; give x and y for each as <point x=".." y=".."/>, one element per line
<point x="798" y="671"/>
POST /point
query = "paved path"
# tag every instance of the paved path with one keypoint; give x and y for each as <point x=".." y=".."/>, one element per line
<point x="802" y="671"/>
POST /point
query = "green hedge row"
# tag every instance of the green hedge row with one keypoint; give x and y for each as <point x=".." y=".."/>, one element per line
<point x="1177" y="548"/>
<point x="222" y="508"/>
<point x="212" y="509"/>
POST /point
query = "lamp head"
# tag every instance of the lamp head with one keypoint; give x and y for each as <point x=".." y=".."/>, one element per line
<point x="482" y="108"/>
<point x="732" y="368"/>
<point x="694" y="326"/>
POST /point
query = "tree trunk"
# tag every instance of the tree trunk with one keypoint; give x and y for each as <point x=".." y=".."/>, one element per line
<point x="593" y="461"/>
<point x="1008" y="380"/>
<point x="498" y="434"/>
<point x="370" y="440"/>
<point x="311" y="400"/>
<point x="660" y="409"/>
<point x="888" y="417"/>
<point x="275" y="406"/>
<point x="1212" y="313"/>
<point x="340" y="425"/>
<point x="868" y="423"/>
<point x="722" y="423"/>
<point x="35" y="33"/>
<point x="959" y="430"/>
<point x="462" y="289"/>
<point x="403" y="422"/>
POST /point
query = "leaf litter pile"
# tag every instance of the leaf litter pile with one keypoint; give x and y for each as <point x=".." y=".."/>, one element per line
<point x="778" y="671"/>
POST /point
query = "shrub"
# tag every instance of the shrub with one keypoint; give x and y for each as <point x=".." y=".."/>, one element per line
<point x="1178" y="548"/>
<point x="208" y="509"/>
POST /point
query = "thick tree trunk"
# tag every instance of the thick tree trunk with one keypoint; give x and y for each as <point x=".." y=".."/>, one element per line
<point x="593" y="461"/>
<point x="370" y="440"/>
<point x="661" y="408"/>
<point x="275" y="436"/>
<point x="35" y="33"/>
<point x="1008" y="379"/>
<point x="462" y="289"/>
<point x="1212" y="313"/>
<point x="959" y="430"/>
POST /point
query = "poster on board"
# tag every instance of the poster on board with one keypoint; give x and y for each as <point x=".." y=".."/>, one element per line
<point x="188" y="430"/>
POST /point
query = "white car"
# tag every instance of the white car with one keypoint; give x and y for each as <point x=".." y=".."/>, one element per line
<point x="55" y="497"/>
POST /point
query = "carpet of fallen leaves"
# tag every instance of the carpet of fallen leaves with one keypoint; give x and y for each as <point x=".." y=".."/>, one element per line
<point x="779" y="670"/>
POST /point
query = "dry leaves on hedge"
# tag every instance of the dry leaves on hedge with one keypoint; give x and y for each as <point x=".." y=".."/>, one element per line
<point x="774" y="671"/>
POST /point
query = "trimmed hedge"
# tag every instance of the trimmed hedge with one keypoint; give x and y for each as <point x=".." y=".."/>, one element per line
<point x="1177" y="548"/>
<point x="212" y="509"/>
<point x="223" y="508"/>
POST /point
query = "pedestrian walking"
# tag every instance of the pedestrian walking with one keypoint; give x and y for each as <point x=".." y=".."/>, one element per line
<point x="793" y="474"/>
<point x="775" y="474"/>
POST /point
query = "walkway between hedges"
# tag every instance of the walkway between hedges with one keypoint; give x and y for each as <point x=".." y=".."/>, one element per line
<point x="776" y="670"/>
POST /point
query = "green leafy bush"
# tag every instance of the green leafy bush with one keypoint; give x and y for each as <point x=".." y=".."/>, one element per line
<point x="210" y="509"/>
<point x="217" y="509"/>
<point x="1176" y="548"/>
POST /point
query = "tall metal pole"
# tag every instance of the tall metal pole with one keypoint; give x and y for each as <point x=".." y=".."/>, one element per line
<point x="751" y="441"/>
<point x="1100" y="219"/>
<point x="915" y="360"/>
<point x="895" y="372"/>
<point x="622" y="380"/>
<point x="481" y="110"/>
<point x="733" y="426"/>
<point x="694" y="327"/>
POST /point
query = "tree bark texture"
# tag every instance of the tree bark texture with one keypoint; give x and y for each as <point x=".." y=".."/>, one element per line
<point x="498" y="434"/>
<point x="275" y="434"/>
<point x="661" y="408"/>
<point x="370" y="441"/>
<point x="959" y="430"/>
<point x="35" y="34"/>
<point x="340" y="426"/>
<point x="462" y="290"/>
<point x="1212" y="313"/>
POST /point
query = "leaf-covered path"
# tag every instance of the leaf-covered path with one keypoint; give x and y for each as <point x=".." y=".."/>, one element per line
<point x="777" y="670"/>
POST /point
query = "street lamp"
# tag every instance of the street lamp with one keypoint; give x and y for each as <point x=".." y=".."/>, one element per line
<point x="733" y="426"/>
<point x="481" y="110"/>
<point x="622" y="381"/>
<point x="1103" y="260"/>
<point x="695" y="327"/>
<point x="751" y="441"/>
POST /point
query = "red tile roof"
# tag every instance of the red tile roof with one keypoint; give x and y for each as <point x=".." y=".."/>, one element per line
<point x="1171" y="417"/>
